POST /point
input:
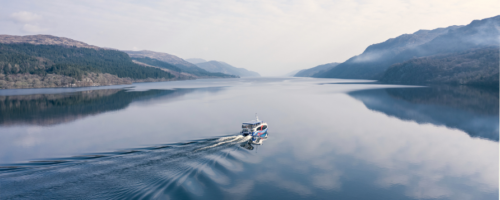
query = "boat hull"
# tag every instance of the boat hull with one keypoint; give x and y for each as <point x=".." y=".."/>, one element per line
<point x="255" y="133"/>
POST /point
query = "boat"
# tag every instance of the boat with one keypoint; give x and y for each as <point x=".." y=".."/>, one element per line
<point x="254" y="128"/>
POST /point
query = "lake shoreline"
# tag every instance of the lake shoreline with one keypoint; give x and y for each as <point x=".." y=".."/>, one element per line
<point x="24" y="81"/>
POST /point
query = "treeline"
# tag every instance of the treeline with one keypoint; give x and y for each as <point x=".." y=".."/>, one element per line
<point x="71" y="61"/>
<point x="473" y="67"/>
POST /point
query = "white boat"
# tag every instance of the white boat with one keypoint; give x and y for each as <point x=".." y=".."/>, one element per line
<point x="254" y="128"/>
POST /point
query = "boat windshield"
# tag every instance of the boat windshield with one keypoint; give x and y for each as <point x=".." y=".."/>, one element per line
<point x="250" y="125"/>
<point x="246" y="126"/>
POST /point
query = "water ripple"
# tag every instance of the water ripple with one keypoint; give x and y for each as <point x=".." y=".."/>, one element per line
<point x="181" y="170"/>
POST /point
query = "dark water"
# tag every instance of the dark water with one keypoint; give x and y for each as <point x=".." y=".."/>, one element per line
<point x="178" y="140"/>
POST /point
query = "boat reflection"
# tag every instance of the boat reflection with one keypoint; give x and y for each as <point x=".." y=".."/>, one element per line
<point x="255" y="140"/>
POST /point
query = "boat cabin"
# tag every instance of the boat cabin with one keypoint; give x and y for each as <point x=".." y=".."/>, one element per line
<point x="254" y="127"/>
<point x="251" y="124"/>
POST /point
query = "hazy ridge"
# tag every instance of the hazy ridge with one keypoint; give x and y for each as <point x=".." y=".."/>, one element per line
<point x="171" y="62"/>
<point x="457" y="40"/>
<point x="222" y="67"/>
<point x="315" y="70"/>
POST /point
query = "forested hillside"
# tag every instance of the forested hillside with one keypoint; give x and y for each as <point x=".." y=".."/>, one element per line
<point x="474" y="67"/>
<point x="71" y="61"/>
<point x="24" y="65"/>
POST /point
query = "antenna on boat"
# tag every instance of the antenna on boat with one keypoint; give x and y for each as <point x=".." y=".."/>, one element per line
<point x="256" y="117"/>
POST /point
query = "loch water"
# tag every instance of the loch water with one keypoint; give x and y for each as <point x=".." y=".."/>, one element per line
<point x="327" y="139"/>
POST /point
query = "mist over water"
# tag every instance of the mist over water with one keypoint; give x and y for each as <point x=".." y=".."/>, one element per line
<point x="179" y="140"/>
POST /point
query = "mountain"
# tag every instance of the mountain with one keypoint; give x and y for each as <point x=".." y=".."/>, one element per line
<point x="222" y="67"/>
<point x="49" y="61"/>
<point x="373" y="62"/>
<point x="162" y="60"/>
<point x="473" y="67"/>
<point x="194" y="72"/>
<point x="165" y="57"/>
<point x="173" y="64"/>
<point x="195" y="60"/>
<point x="45" y="40"/>
<point x="157" y="63"/>
<point x="315" y="70"/>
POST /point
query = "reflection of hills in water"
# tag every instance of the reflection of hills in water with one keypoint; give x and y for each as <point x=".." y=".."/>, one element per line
<point x="473" y="110"/>
<point x="177" y="171"/>
<point x="50" y="109"/>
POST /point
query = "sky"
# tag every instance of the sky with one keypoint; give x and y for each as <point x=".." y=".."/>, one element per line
<point x="270" y="37"/>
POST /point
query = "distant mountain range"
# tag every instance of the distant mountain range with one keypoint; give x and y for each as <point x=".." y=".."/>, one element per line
<point x="195" y="60"/>
<point x="315" y="70"/>
<point x="408" y="52"/>
<point x="165" y="57"/>
<point x="222" y="67"/>
<point x="36" y="61"/>
<point x="174" y="63"/>
<point x="373" y="62"/>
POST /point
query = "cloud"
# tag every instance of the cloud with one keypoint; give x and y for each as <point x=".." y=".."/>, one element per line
<point x="29" y="22"/>
<point x="327" y="181"/>
<point x="25" y="17"/>
<point x="425" y="161"/>
<point x="270" y="37"/>
<point x="289" y="185"/>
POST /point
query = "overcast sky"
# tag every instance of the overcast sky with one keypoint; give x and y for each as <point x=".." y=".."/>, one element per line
<point x="270" y="37"/>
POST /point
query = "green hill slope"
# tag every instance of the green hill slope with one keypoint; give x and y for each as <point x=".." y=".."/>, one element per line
<point x="71" y="61"/>
<point x="473" y="67"/>
<point x="68" y="66"/>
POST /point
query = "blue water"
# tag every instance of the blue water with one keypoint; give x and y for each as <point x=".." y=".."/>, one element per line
<point x="328" y="139"/>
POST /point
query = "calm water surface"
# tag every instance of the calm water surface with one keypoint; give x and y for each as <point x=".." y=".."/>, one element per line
<point x="328" y="139"/>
